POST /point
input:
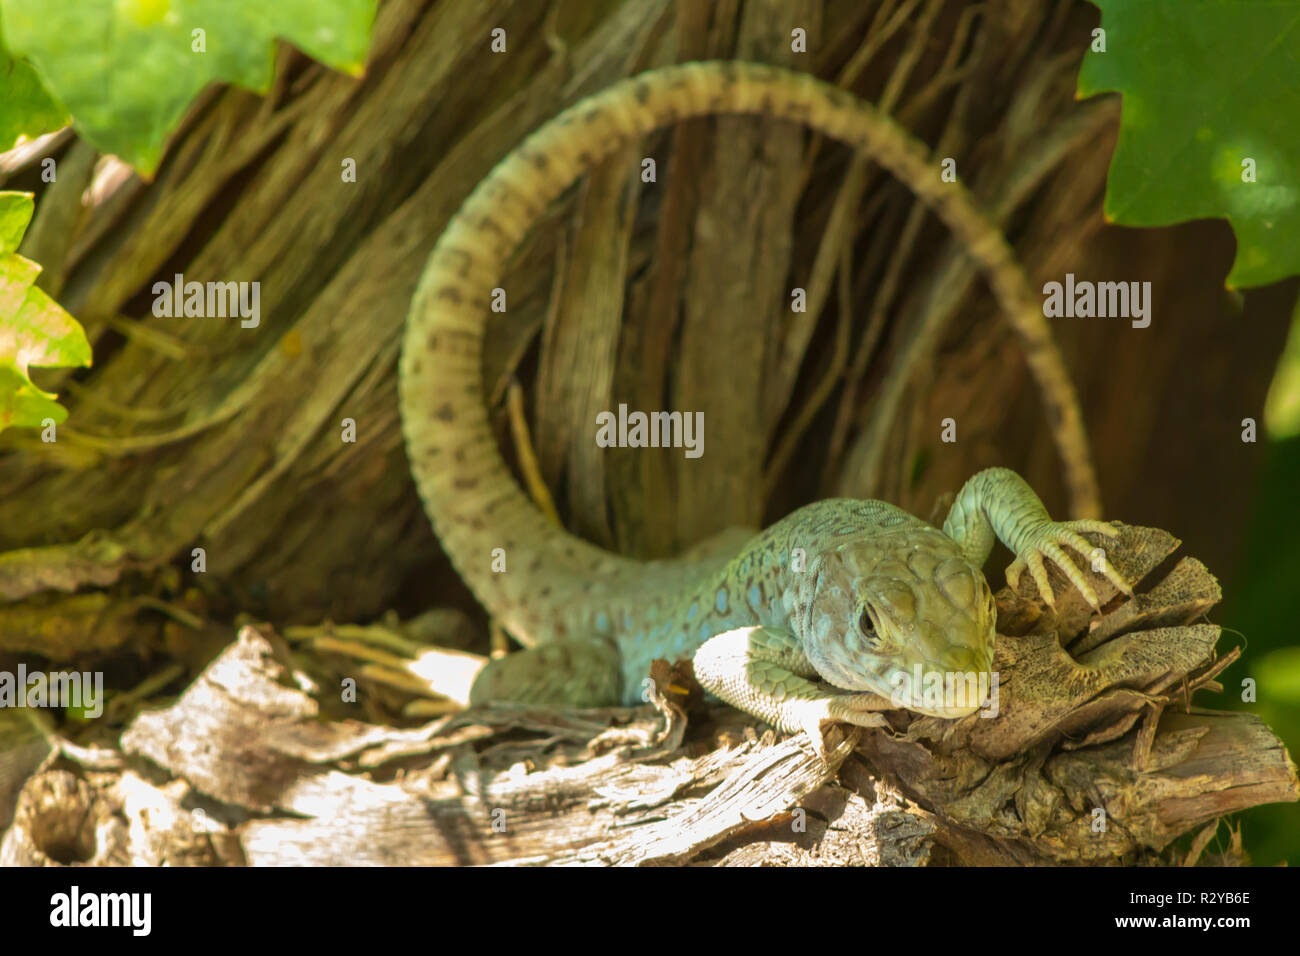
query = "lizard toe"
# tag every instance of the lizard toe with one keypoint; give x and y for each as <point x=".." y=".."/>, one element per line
<point x="1072" y="572"/>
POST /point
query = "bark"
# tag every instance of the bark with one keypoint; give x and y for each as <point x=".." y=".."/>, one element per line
<point x="1094" y="754"/>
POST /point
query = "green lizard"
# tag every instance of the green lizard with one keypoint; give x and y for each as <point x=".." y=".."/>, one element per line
<point x="859" y="594"/>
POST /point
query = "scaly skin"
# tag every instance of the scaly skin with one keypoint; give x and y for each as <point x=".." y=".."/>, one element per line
<point x="858" y="593"/>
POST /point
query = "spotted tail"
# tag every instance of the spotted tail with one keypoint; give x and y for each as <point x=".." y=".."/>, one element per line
<point x="468" y="492"/>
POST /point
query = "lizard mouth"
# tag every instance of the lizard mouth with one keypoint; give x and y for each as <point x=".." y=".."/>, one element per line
<point x="938" y="690"/>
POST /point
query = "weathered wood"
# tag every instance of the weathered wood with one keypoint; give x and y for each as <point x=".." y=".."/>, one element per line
<point x="1095" y="760"/>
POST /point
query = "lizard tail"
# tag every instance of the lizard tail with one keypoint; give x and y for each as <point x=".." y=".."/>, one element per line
<point x="468" y="492"/>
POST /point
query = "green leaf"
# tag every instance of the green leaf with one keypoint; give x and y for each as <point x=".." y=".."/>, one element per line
<point x="35" y="331"/>
<point x="128" y="69"/>
<point x="26" y="108"/>
<point x="1207" y="85"/>
<point x="16" y="211"/>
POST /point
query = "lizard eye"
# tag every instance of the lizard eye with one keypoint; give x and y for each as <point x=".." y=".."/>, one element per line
<point x="867" y="628"/>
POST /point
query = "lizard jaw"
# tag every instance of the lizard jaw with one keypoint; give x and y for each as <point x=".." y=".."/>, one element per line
<point x="949" y="690"/>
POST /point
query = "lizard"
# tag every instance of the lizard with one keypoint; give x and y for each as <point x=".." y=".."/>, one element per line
<point x="829" y="615"/>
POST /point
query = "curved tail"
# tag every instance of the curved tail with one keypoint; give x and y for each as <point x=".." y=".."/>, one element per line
<point x="468" y="492"/>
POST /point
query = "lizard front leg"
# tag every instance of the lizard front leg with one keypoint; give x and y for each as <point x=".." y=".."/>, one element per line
<point x="764" y="671"/>
<point x="999" y="502"/>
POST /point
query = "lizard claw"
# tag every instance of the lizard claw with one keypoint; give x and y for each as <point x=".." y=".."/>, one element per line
<point x="1050" y="541"/>
<point x="861" y="710"/>
<point x="815" y="716"/>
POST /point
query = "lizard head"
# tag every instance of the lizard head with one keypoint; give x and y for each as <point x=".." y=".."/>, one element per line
<point x="900" y="615"/>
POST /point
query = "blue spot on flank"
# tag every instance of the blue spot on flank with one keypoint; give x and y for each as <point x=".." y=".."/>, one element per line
<point x="754" y="596"/>
<point x="722" y="600"/>
<point x="705" y="631"/>
<point x="602" y="622"/>
<point x="690" y="615"/>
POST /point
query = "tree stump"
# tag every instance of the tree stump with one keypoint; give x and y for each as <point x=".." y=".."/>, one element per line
<point x="1093" y="754"/>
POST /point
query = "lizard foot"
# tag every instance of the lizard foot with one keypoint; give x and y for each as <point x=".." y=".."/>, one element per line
<point x="764" y="671"/>
<point x="815" y="717"/>
<point x="1049" y="540"/>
